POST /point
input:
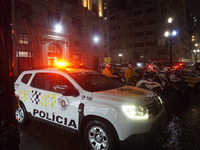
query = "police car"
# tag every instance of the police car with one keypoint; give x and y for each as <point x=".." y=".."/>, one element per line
<point x="104" y="112"/>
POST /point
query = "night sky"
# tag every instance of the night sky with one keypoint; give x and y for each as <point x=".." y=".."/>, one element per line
<point x="194" y="7"/>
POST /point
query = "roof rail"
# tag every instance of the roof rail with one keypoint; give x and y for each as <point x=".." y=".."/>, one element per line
<point x="41" y="67"/>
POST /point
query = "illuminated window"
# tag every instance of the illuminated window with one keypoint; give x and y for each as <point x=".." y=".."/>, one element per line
<point x="23" y="54"/>
<point x="23" y="38"/>
<point x="76" y="58"/>
<point x="54" y="51"/>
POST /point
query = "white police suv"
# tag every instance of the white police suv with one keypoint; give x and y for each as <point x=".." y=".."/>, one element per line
<point x="104" y="112"/>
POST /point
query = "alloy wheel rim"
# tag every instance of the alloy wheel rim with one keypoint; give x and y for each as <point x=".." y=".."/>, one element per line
<point x="98" y="138"/>
<point x="19" y="114"/>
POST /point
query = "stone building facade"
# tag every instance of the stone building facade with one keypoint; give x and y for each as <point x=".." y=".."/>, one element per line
<point x="37" y="43"/>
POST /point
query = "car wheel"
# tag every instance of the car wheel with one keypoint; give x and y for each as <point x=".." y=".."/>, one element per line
<point x="197" y="86"/>
<point x="21" y="115"/>
<point x="99" y="137"/>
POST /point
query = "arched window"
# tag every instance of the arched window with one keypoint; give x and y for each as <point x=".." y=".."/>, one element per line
<point x="54" y="51"/>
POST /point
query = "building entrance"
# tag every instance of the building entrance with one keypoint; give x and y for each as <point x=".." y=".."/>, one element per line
<point x="54" y="54"/>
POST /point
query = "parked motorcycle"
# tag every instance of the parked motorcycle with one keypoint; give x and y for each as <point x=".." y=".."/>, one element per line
<point x="176" y="77"/>
<point x="147" y="83"/>
<point x="161" y="85"/>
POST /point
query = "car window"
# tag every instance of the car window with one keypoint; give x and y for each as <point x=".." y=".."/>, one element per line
<point x="93" y="81"/>
<point x="26" y="78"/>
<point x="41" y="81"/>
<point x="59" y="82"/>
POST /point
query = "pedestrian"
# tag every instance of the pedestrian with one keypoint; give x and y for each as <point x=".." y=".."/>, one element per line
<point x="107" y="70"/>
<point x="130" y="75"/>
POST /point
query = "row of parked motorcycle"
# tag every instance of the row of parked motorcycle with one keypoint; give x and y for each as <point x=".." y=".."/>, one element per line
<point x="168" y="83"/>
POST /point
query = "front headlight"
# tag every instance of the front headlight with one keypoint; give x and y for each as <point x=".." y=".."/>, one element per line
<point x="135" y="112"/>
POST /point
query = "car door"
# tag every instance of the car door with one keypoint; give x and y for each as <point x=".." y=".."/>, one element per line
<point x="38" y="96"/>
<point x="63" y="102"/>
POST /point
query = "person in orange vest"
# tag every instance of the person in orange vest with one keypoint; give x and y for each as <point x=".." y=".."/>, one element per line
<point x="130" y="74"/>
<point x="107" y="70"/>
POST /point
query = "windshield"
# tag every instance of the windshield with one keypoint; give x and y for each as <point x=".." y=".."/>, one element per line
<point x="94" y="81"/>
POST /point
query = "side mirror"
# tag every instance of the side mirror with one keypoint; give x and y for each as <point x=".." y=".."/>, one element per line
<point x="65" y="90"/>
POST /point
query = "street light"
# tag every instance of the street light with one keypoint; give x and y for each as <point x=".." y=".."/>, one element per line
<point x="58" y="28"/>
<point x="196" y="51"/>
<point x="170" y="20"/>
<point x="170" y="34"/>
<point x="166" y="34"/>
<point x="174" y="32"/>
<point x="96" y="39"/>
<point x="120" y="58"/>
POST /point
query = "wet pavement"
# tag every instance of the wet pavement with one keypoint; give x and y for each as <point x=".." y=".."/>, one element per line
<point x="182" y="132"/>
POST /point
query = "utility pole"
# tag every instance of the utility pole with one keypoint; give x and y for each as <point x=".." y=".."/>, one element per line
<point x="9" y="135"/>
<point x="170" y="46"/>
<point x="170" y="34"/>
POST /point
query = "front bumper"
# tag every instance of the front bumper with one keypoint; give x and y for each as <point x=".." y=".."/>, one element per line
<point x="145" y="139"/>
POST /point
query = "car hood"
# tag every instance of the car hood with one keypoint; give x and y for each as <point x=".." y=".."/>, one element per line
<point x="126" y="95"/>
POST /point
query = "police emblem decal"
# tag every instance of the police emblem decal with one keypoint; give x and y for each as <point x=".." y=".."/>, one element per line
<point x="63" y="103"/>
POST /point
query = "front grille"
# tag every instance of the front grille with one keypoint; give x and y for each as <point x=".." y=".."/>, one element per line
<point x="154" y="107"/>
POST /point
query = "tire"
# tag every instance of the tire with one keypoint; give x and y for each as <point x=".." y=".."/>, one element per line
<point x="197" y="87"/>
<point x="21" y="115"/>
<point x="98" y="136"/>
